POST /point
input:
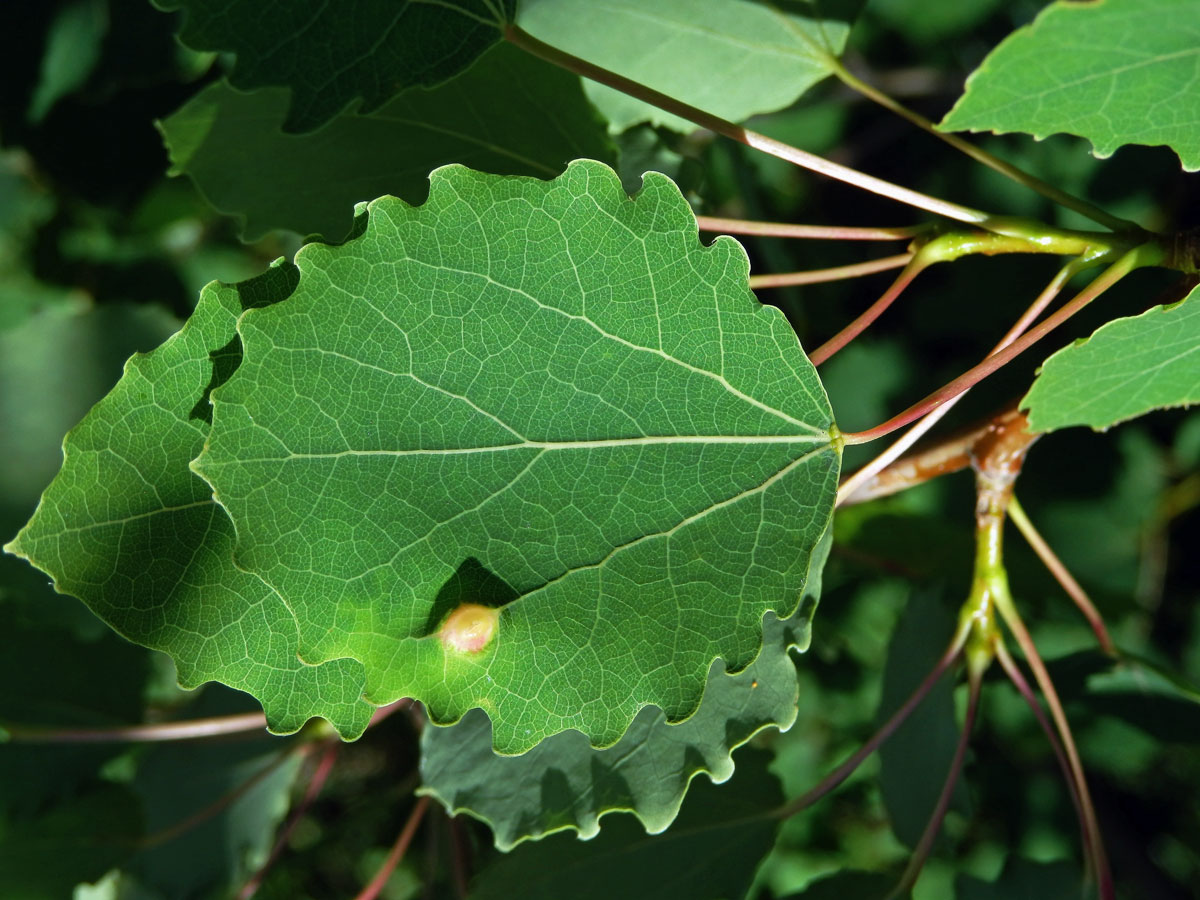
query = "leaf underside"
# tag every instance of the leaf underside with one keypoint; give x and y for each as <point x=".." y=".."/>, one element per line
<point x="754" y="57"/>
<point x="1115" y="72"/>
<point x="541" y="396"/>
<point x="510" y="114"/>
<point x="331" y="57"/>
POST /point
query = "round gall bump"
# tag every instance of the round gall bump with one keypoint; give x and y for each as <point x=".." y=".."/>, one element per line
<point x="469" y="628"/>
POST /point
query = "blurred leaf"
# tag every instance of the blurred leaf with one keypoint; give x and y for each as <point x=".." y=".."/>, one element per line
<point x="564" y="783"/>
<point x="509" y="114"/>
<point x="556" y="409"/>
<point x="1128" y="367"/>
<point x="753" y="59"/>
<point x="1159" y="702"/>
<point x="45" y="857"/>
<point x="1025" y="879"/>
<point x="127" y="528"/>
<point x="215" y="856"/>
<point x="72" y="49"/>
<point x="930" y="21"/>
<point x="710" y="853"/>
<point x="50" y="679"/>
<point x="916" y="758"/>
<point x="1115" y="72"/>
<point x="330" y="56"/>
<point x="849" y="885"/>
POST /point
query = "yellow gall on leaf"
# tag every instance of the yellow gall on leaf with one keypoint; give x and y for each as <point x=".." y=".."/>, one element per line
<point x="469" y="628"/>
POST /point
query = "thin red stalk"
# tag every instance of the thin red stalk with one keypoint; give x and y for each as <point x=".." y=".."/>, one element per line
<point x="461" y="852"/>
<point x="192" y="729"/>
<point x="929" y="835"/>
<point x="320" y="774"/>
<point x="1061" y="574"/>
<point x="852" y="484"/>
<point x="835" y="273"/>
<point x="842" y="772"/>
<point x="717" y="125"/>
<point x="187" y="824"/>
<point x="1013" y="671"/>
<point x="396" y="854"/>
<point x="973" y="376"/>
<point x="819" y="232"/>
<point x="912" y="268"/>
<point x="1091" y="827"/>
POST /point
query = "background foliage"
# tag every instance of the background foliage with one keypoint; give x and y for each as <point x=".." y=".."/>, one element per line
<point x="103" y="253"/>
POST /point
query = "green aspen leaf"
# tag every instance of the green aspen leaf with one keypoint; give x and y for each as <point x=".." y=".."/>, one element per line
<point x="1113" y="71"/>
<point x="564" y="783"/>
<point x="1128" y="367"/>
<point x="546" y="392"/>
<point x="510" y="114"/>
<point x="735" y="58"/>
<point x="710" y="853"/>
<point x="127" y="528"/>
<point x="331" y="55"/>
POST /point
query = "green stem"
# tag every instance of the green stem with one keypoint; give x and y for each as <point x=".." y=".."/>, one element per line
<point x="527" y="42"/>
<point x="835" y="273"/>
<point x="1145" y="255"/>
<point x="1061" y="197"/>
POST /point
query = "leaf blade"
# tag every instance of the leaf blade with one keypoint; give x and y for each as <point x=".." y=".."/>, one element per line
<point x="1114" y="72"/>
<point x="531" y="421"/>
<point x="1127" y="368"/>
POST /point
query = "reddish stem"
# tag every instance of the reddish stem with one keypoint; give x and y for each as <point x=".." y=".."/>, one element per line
<point x="842" y="772"/>
<point x="976" y="374"/>
<point x="396" y="854"/>
<point x="826" y="232"/>
<point x="862" y="481"/>
<point x="1090" y="825"/>
<point x="835" y="273"/>
<point x="873" y="312"/>
<point x="1061" y="574"/>
<point x="320" y="774"/>
<point x="925" y="844"/>
<point x="1018" y="679"/>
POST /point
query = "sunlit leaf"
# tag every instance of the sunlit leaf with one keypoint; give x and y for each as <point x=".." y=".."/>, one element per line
<point x="127" y="528"/>
<point x="1115" y="72"/>
<point x="549" y="392"/>
<point x="1126" y="368"/>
